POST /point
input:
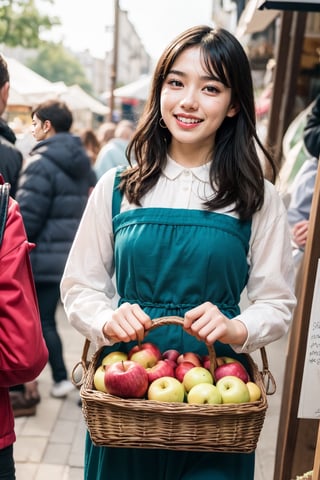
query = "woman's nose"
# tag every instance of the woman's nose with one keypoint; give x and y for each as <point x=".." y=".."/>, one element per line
<point x="189" y="100"/>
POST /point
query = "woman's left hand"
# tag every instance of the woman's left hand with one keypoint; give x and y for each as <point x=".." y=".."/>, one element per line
<point x="207" y="323"/>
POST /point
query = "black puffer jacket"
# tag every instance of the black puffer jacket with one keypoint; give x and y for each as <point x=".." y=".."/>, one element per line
<point x="10" y="157"/>
<point x="52" y="192"/>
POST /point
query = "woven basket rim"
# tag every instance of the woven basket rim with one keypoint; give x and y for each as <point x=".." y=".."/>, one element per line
<point x="88" y="392"/>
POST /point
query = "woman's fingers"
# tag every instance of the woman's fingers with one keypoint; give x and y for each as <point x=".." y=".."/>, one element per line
<point x="207" y="323"/>
<point x="129" y="322"/>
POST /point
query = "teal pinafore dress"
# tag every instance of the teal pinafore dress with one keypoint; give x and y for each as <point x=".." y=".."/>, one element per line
<point x="169" y="261"/>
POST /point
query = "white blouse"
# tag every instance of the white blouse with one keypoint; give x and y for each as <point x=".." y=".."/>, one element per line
<point x="87" y="286"/>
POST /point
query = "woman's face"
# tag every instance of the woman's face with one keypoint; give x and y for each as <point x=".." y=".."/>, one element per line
<point x="193" y="104"/>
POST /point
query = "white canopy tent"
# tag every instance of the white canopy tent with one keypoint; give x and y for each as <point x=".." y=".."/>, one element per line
<point x="138" y="90"/>
<point x="28" y="88"/>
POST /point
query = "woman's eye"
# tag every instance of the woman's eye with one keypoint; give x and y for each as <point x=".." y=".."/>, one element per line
<point x="175" y="83"/>
<point x="211" y="89"/>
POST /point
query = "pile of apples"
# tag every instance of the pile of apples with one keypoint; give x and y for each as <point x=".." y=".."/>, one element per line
<point x="171" y="376"/>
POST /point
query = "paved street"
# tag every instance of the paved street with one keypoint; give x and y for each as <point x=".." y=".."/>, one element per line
<point x="50" y="445"/>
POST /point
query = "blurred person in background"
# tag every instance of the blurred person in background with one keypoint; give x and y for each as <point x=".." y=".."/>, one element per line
<point x="302" y="190"/>
<point x="91" y="144"/>
<point x="113" y="153"/>
<point x="10" y="157"/>
<point x="52" y="192"/>
<point x="106" y="132"/>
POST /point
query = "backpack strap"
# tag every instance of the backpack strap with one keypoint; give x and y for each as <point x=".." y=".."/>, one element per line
<point x="4" y="201"/>
<point x="117" y="194"/>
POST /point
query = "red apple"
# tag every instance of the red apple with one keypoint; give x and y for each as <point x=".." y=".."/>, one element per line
<point x="147" y="354"/>
<point x="182" y="369"/>
<point x="190" y="357"/>
<point x="206" y="361"/>
<point x="171" y="354"/>
<point x="233" y="390"/>
<point x="171" y="362"/>
<point x="166" y="389"/>
<point x="235" y="369"/>
<point x="222" y="360"/>
<point x="126" y="379"/>
<point x="161" y="369"/>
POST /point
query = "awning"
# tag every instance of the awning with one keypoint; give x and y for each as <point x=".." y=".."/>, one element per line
<point x="306" y="6"/>
<point x="253" y="20"/>
<point x="137" y="90"/>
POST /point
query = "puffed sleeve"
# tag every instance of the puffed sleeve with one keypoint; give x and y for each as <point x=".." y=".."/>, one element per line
<point x="270" y="286"/>
<point x="87" y="289"/>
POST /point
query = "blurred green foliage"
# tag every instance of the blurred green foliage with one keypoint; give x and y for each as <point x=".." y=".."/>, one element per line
<point x="56" y="64"/>
<point x="21" y="24"/>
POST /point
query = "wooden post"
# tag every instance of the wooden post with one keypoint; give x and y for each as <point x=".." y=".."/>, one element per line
<point x="288" y="424"/>
<point x="286" y="76"/>
<point x="316" y="466"/>
<point x="115" y="58"/>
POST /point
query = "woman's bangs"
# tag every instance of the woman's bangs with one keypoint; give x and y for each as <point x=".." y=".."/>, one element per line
<point x="214" y="63"/>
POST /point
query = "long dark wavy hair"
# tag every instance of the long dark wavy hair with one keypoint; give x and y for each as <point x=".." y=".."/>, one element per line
<point x="236" y="173"/>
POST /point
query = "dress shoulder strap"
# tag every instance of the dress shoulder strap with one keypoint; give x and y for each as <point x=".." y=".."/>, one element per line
<point x="117" y="194"/>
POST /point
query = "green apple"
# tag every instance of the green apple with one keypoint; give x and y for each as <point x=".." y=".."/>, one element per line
<point x="233" y="390"/>
<point x="114" y="357"/>
<point x="254" y="391"/>
<point x="166" y="389"/>
<point x="98" y="378"/>
<point x="196" y="375"/>
<point x="204" y="393"/>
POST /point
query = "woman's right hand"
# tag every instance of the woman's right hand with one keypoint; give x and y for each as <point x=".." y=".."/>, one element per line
<point x="300" y="233"/>
<point x="129" y="322"/>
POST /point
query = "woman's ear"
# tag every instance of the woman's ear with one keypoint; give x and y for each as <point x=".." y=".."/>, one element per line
<point x="233" y="110"/>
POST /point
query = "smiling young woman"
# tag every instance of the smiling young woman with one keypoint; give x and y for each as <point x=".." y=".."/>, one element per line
<point x="185" y="229"/>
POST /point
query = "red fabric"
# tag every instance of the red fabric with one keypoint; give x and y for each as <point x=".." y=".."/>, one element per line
<point x="23" y="352"/>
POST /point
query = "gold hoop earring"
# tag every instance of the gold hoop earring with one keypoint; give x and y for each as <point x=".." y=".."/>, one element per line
<point x="162" y="124"/>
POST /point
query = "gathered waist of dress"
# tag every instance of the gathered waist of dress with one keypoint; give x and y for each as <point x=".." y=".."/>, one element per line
<point x="181" y="308"/>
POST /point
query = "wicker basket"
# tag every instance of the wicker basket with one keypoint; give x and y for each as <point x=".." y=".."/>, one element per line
<point x="138" y="423"/>
<point x="305" y="476"/>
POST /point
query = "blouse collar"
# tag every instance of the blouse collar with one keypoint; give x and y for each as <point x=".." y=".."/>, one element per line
<point x="173" y="169"/>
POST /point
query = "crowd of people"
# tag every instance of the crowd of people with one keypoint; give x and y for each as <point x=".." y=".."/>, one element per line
<point x="52" y="182"/>
<point x="145" y="205"/>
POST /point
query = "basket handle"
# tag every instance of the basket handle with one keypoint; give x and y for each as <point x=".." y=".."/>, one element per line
<point x="80" y="369"/>
<point x="173" y="320"/>
<point x="268" y="379"/>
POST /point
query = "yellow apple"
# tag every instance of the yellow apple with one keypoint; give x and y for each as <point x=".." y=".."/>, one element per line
<point x="254" y="391"/>
<point x="196" y="375"/>
<point x="233" y="390"/>
<point x="98" y="378"/>
<point x="166" y="389"/>
<point x="204" y="393"/>
<point x="114" y="357"/>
